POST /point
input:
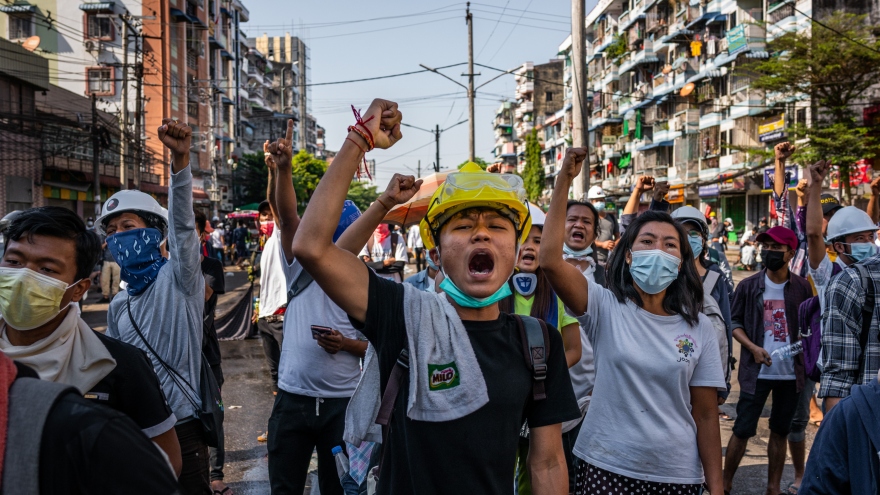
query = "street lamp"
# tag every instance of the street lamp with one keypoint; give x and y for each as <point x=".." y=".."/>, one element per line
<point x="234" y="165"/>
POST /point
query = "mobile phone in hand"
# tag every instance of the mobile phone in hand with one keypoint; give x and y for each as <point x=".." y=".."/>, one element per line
<point x="318" y="331"/>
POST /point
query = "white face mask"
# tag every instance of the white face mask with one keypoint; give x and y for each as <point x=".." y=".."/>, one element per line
<point x="29" y="299"/>
<point x="599" y="205"/>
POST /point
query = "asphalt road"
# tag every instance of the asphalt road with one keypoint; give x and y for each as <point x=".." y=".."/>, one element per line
<point x="248" y="398"/>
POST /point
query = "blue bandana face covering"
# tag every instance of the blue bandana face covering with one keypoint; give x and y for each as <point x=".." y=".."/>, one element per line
<point x="653" y="270"/>
<point x="137" y="252"/>
<point x="466" y="301"/>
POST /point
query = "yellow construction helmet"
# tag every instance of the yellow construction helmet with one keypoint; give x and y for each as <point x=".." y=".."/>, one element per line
<point x="473" y="187"/>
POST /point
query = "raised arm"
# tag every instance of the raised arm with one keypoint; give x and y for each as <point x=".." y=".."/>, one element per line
<point x="568" y="282"/>
<point x="284" y="207"/>
<point x="340" y="273"/>
<point x="183" y="241"/>
<point x="644" y="184"/>
<point x="874" y="202"/>
<point x="815" y="239"/>
<point x="355" y="237"/>
<point x="781" y="151"/>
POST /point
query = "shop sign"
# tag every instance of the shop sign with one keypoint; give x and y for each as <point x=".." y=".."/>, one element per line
<point x="675" y="194"/>
<point x="772" y="129"/>
<point x="769" y="172"/>
<point x="709" y="191"/>
<point x="609" y="139"/>
<point x="859" y="173"/>
<point x="736" y="39"/>
<point x="735" y="184"/>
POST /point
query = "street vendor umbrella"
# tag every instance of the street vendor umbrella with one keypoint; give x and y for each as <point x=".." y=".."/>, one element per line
<point x="412" y="212"/>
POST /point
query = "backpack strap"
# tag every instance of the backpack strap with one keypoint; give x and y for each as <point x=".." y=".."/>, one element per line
<point x="392" y="389"/>
<point x="534" y="336"/>
<point x="710" y="281"/>
<point x="302" y="281"/>
<point x="867" y="309"/>
<point x="30" y="401"/>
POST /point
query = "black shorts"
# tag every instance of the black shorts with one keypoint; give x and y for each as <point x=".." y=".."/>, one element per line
<point x="749" y="408"/>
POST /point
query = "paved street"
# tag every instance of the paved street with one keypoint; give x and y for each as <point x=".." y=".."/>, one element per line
<point x="248" y="399"/>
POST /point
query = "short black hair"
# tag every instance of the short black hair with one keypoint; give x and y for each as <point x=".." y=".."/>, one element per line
<point x="61" y="223"/>
<point x="201" y="221"/>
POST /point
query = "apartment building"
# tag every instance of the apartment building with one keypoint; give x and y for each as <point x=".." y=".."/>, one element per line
<point x="294" y="54"/>
<point x="539" y="95"/>
<point x="669" y="102"/>
<point x="505" y="144"/>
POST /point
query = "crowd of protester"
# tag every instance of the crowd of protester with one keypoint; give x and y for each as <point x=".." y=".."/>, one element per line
<point x="566" y="350"/>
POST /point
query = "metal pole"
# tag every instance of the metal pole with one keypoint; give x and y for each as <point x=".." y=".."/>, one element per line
<point x="437" y="143"/>
<point x="470" y="23"/>
<point x="579" y="108"/>
<point x="138" y="109"/>
<point x="419" y="170"/>
<point x="123" y="121"/>
<point x="96" y="193"/>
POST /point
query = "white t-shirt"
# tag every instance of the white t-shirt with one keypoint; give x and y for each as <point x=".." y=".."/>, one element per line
<point x="305" y="368"/>
<point x="645" y="366"/>
<point x="414" y="238"/>
<point x="217" y="238"/>
<point x="822" y="277"/>
<point x="273" y="289"/>
<point x="583" y="373"/>
<point x="382" y="251"/>
<point x="776" y="332"/>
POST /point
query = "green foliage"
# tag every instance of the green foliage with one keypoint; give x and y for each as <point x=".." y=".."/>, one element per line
<point x="836" y="73"/>
<point x="251" y="179"/>
<point x="479" y="161"/>
<point x="307" y="172"/>
<point x="533" y="172"/>
<point x="617" y="48"/>
<point x="362" y="194"/>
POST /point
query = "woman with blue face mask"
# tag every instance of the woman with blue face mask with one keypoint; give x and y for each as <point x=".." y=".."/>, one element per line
<point x="657" y="362"/>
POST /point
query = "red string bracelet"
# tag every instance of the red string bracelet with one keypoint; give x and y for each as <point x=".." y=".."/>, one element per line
<point x="363" y="123"/>
<point x="367" y="169"/>
<point x="361" y="133"/>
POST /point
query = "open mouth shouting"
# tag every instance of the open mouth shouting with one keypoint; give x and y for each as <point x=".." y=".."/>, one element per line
<point x="528" y="260"/>
<point x="577" y="238"/>
<point x="481" y="264"/>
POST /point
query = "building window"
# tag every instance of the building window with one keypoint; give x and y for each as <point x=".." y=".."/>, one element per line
<point x="20" y="27"/>
<point x="99" y="27"/>
<point x="549" y="95"/>
<point x="100" y="81"/>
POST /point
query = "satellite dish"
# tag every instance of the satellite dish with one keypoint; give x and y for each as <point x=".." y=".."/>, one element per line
<point x="31" y="43"/>
<point x="687" y="89"/>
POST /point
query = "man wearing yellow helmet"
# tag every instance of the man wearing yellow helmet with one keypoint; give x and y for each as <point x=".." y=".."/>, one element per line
<point x="476" y="222"/>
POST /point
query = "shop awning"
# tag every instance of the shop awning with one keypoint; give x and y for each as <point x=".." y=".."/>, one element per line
<point x="18" y="9"/>
<point x="97" y="7"/>
<point x="655" y="145"/>
<point x="703" y="18"/>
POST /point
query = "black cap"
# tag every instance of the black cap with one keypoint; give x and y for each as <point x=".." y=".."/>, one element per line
<point x="829" y="204"/>
<point x="263" y="204"/>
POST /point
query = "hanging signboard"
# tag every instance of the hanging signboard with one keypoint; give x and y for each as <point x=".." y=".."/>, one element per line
<point x="769" y="172"/>
<point x="736" y="39"/>
<point x="709" y="191"/>
<point x="609" y="139"/>
<point x="735" y="184"/>
<point x="772" y="129"/>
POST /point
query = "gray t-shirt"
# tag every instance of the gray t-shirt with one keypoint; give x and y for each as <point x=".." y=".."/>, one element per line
<point x="645" y="366"/>
<point x="608" y="230"/>
<point x="305" y="368"/>
<point x="169" y="311"/>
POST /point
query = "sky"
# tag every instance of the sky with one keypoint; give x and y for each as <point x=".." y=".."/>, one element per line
<point x="346" y="43"/>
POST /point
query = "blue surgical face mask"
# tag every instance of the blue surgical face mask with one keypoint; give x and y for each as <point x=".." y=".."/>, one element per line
<point x="653" y="270"/>
<point x="571" y="253"/>
<point x="430" y="262"/>
<point x="139" y="257"/>
<point x="467" y="301"/>
<point x="861" y="250"/>
<point x="696" y="243"/>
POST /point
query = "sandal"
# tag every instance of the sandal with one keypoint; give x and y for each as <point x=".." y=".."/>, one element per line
<point x="221" y="492"/>
<point x="788" y="491"/>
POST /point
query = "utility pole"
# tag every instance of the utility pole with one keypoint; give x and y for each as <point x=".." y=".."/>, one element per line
<point x="96" y="152"/>
<point x="123" y="121"/>
<point x="419" y="170"/>
<point x="580" y="106"/>
<point x="138" y="109"/>
<point x="470" y="23"/>
<point x="437" y="142"/>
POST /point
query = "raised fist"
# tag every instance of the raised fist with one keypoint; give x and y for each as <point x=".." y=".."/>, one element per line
<point x="177" y="138"/>
<point x="282" y="149"/>
<point x="400" y="189"/>
<point x="573" y="162"/>
<point x="383" y="119"/>
<point x="783" y="151"/>
<point x="644" y="183"/>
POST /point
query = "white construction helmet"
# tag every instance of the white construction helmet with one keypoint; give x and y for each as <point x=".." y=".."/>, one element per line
<point x="849" y="220"/>
<point x="129" y="200"/>
<point x="537" y="214"/>
<point x="691" y="214"/>
<point x="596" y="192"/>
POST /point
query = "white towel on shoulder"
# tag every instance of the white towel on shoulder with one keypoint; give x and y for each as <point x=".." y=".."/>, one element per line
<point x="446" y="382"/>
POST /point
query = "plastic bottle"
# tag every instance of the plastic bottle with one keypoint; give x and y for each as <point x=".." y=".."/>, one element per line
<point x="789" y="351"/>
<point x="342" y="465"/>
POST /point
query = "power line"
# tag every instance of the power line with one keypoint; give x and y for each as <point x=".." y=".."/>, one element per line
<point x="511" y="32"/>
<point x="379" y="77"/>
<point x="838" y="32"/>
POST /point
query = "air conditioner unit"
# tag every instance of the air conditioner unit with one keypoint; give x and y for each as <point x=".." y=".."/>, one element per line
<point x="201" y="48"/>
<point x="93" y="46"/>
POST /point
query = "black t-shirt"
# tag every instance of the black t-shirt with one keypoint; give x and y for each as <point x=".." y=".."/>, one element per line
<point x="212" y="269"/>
<point x="477" y="453"/>
<point x="133" y="389"/>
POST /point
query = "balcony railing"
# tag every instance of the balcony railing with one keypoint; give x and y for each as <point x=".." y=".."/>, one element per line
<point x="786" y="10"/>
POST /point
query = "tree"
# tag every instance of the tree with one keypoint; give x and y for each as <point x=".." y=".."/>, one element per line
<point x="251" y="179"/>
<point x="307" y="172"/>
<point x="362" y="194"/>
<point x="479" y="161"/>
<point x="533" y="172"/>
<point x="836" y="73"/>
